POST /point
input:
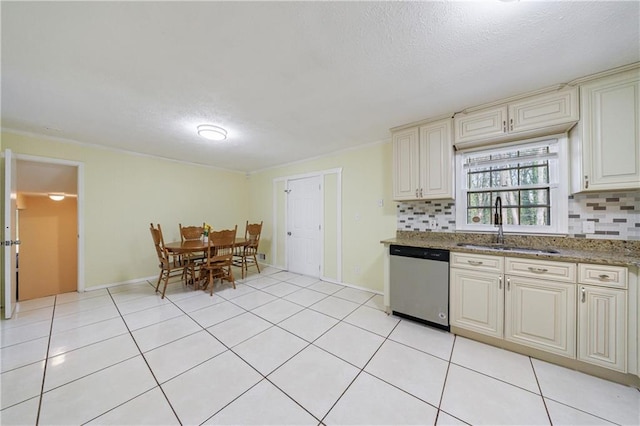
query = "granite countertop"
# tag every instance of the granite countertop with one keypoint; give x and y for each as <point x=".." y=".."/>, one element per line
<point x="606" y="252"/>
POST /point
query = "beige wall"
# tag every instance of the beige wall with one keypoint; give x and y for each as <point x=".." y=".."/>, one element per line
<point x="48" y="249"/>
<point x="366" y="178"/>
<point x="123" y="193"/>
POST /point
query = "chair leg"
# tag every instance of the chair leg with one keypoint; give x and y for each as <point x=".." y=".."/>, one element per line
<point x="255" y="260"/>
<point x="159" y="279"/>
<point x="233" y="281"/>
<point x="166" y="281"/>
<point x="213" y="284"/>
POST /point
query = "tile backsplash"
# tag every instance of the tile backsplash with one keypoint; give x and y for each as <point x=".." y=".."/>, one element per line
<point x="616" y="215"/>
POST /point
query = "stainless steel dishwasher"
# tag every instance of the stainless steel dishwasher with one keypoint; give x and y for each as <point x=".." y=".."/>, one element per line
<point x="419" y="284"/>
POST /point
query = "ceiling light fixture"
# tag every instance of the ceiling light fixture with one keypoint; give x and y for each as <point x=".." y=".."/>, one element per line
<point x="211" y="132"/>
<point x="56" y="197"/>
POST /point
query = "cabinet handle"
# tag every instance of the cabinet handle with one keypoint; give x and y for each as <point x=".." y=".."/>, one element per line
<point x="538" y="270"/>
<point x="420" y="192"/>
<point x="417" y="193"/>
<point x="508" y="284"/>
<point x="500" y="283"/>
<point x="584" y="295"/>
<point x="604" y="277"/>
<point x="586" y="182"/>
<point x="474" y="262"/>
<point x="504" y="126"/>
<point x="511" y="124"/>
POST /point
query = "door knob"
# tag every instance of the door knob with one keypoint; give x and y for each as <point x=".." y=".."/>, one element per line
<point x="289" y="233"/>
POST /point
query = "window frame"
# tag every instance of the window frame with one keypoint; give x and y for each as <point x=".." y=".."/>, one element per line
<point x="558" y="184"/>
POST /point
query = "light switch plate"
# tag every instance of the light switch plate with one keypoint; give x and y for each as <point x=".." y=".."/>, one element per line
<point x="588" y="227"/>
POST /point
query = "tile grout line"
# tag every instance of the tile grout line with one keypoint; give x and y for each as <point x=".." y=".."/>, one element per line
<point x="230" y="349"/>
<point x="361" y="370"/>
<point x="288" y="359"/>
<point x="46" y="361"/>
<point x="145" y="361"/>
<point x="544" y="400"/>
<point x="446" y="375"/>
<point x="544" y="403"/>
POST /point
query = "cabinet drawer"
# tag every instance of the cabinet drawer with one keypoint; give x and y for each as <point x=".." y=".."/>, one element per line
<point x="557" y="271"/>
<point x="478" y="262"/>
<point x="602" y="275"/>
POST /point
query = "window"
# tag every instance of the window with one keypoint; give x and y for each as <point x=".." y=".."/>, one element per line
<point x="531" y="179"/>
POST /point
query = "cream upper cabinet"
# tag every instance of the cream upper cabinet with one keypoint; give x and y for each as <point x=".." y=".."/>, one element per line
<point x="423" y="162"/>
<point x="538" y="115"/>
<point x="602" y="316"/>
<point x="606" y="143"/>
<point x="484" y="124"/>
<point x="406" y="164"/>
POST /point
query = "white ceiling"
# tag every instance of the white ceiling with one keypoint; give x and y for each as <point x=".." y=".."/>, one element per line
<point x="288" y="80"/>
<point x="36" y="178"/>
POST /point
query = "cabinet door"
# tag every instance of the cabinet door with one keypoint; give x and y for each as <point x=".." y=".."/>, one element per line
<point x="477" y="301"/>
<point x="611" y="133"/>
<point x="482" y="124"/>
<point x="406" y="170"/>
<point x="436" y="160"/>
<point x="544" y="111"/>
<point x="541" y="314"/>
<point x="601" y="327"/>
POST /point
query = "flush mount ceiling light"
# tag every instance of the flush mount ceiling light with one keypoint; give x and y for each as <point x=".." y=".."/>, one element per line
<point x="56" y="197"/>
<point x="211" y="132"/>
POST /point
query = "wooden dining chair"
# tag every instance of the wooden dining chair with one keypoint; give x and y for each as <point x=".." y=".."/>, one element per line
<point x="219" y="258"/>
<point x="246" y="255"/>
<point x="188" y="233"/>
<point x="170" y="264"/>
<point x="192" y="260"/>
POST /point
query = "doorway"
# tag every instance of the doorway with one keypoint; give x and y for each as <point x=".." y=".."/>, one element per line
<point x="48" y="228"/>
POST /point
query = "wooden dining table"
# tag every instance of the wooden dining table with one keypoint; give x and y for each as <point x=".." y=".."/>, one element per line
<point x="194" y="246"/>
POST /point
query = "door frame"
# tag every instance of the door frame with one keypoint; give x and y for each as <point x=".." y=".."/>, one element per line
<point x="80" y="205"/>
<point x="274" y="241"/>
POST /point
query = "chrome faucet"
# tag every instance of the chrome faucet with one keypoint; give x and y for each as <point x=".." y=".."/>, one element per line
<point x="497" y="221"/>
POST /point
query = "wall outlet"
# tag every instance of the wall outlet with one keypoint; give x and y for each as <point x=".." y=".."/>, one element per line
<point x="588" y="227"/>
<point x="357" y="270"/>
<point x="380" y="202"/>
<point x="262" y="256"/>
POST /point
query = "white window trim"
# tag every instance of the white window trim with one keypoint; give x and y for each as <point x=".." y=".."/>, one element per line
<point x="559" y="195"/>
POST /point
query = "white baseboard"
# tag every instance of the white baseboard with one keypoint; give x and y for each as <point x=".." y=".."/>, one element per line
<point x="152" y="279"/>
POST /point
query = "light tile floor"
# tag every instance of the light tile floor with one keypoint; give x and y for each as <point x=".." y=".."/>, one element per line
<point x="280" y="349"/>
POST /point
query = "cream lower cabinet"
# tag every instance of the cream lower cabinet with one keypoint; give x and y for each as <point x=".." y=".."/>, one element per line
<point x="541" y="314"/>
<point x="530" y="309"/>
<point x="602" y="316"/>
<point x="477" y="302"/>
<point x="476" y="296"/>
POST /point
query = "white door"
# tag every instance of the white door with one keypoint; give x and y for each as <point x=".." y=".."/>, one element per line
<point x="303" y="225"/>
<point x="9" y="239"/>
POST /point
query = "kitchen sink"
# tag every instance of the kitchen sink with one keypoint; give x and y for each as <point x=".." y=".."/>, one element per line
<point x="502" y="247"/>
